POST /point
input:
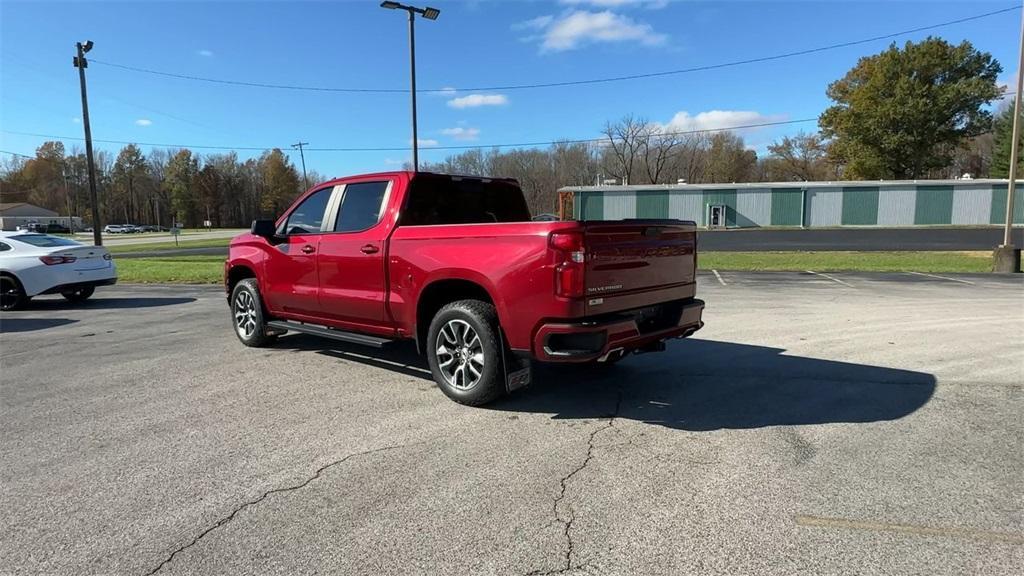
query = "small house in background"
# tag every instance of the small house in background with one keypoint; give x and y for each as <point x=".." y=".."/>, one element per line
<point x="15" y="214"/>
<point x="892" y="203"/>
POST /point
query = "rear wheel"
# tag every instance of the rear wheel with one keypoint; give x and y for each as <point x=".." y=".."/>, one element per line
<point x="464" y="352"/>
<point x="12" y="295"/>
<point x="78" y="294"/>
<point x="247" y="312"/>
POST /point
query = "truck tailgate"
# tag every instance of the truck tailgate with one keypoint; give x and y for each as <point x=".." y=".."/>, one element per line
<point x="635" y="263"/>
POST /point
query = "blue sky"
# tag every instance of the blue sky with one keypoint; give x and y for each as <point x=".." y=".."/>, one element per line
<point x="472" y="44"/>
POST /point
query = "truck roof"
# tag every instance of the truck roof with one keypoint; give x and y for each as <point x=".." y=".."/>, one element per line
<point x="410" y="174"/>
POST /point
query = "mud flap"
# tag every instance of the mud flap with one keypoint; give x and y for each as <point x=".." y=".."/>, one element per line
<point x="518" y="370"/>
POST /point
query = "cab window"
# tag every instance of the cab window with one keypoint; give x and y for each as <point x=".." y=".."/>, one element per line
<point x="308" y="217"/>
<point x="361" y="206"/>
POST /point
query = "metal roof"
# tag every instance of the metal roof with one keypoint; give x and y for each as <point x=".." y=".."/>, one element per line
<point x="820" y="184"/>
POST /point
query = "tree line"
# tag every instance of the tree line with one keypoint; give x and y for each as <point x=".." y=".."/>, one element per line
<point x="919" y="111"/>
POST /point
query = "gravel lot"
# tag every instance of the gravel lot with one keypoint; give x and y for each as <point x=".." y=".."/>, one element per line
<point x="839" y="424"/>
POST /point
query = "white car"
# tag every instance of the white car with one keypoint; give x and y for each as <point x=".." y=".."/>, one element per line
<point x="114" y="229"/>
<point x="33" y="264"/>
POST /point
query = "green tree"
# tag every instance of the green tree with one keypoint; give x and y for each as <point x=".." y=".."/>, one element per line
<point x="128" y="177"/>
<point x="281" y="182"/>
<point x="901" y="113"/>
<point x="179" y="186"/>
<point x="1001" y="148"/>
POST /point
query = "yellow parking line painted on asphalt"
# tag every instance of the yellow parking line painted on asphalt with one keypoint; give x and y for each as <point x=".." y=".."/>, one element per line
<point x="942" y="278"/>
<point x="820" y="522"/>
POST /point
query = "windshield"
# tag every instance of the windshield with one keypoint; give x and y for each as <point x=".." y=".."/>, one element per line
<point x="44" y="240"/>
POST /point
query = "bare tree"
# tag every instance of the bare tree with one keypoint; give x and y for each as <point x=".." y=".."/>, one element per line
<point x="625" y="140"/>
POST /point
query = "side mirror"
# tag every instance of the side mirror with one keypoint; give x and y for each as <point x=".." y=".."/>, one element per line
<point x="264" y="229"/>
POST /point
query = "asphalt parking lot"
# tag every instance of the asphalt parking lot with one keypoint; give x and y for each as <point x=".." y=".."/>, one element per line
<point x="819" y="424"/>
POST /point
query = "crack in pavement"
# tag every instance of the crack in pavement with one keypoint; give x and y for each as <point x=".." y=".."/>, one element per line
<point x="266" y="494"/>
<point x="568" y="521"/>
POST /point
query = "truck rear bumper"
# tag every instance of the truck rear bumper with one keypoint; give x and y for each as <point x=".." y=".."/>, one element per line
<point x="597" y="339"/>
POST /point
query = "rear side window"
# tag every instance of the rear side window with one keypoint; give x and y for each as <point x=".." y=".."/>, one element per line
<point x="308" y="217"/>
<point x="439" y="199"/>
<point x="4" y="247"/>
<point x="44" y="241"/>
<point x="361" y="206"/>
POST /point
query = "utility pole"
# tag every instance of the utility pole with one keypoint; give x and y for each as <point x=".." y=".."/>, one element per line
<point x="429" y="14"/>
<point x="81" y="63"/>
<point x="1007" y="256"/>
<point x="299" y="145"/>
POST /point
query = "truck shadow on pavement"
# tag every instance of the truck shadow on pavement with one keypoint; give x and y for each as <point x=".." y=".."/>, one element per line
<point x="102" y="303"/>
<point x="696" y="385"/>
<point x="12" y="325"/>
<point x="703" y="385"/>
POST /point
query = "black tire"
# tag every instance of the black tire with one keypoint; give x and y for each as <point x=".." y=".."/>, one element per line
<point x="248" y="316"/>
<point x="79" y="294"/>
<point x="12" y="295"/>
<point x="478" y="385"/>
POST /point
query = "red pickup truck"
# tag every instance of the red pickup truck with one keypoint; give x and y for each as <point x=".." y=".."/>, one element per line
<point x="456" y="264"/>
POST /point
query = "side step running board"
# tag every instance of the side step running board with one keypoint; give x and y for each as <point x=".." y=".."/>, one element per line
<point x="331" y="333"/>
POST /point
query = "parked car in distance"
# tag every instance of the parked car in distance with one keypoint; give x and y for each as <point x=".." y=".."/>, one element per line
<point x="113" y="229"/>
<point x="32" y="264"/>
<point x="456" y="264"/>
<point x="546" y="217"/>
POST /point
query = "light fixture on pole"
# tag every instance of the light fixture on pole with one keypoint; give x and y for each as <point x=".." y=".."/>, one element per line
<point x="81" y="63"/>
<point x="429" y="14"/>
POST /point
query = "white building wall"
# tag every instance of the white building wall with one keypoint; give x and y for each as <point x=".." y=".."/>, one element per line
<point x="619" y="205"/>
<point x="896" y="206"/>
<point x="686" y="206"/>
<point x="972" y="204"/>
<point x="825" y="206"/>
<point x="754" y="205"/>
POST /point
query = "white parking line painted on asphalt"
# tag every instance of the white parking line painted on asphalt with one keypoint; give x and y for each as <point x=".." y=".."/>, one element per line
<point x="832" y="278"/>
<point x="942" y="278"/>
<point x="719" y="276"/>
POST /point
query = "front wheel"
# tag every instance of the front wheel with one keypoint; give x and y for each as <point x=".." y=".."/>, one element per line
<point x="250" y="321"/>
<point x="78" y="294"/>
<point x="464" y="352"/>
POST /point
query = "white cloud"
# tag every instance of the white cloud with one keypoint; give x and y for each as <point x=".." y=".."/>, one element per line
<point x="580" y="27"/>
<point x="461" y="133"/>
<point x="204" y="52"/>
<point x="717" y="119"/>
<point x="76" y="120"/>
<point x="393" y="161"/>
<point x="446" y="91"/>
<point x="143" y="122"/>
<point x="425" y="142"/>
<point x="538" y="23"/>
<point x="650" y="4"/>
<point x="476" y="100"/>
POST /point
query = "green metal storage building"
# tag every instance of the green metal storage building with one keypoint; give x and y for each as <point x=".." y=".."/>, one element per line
<point x="808" y="204"/>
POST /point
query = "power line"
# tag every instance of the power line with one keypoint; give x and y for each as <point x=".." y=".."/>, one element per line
<point x="406" y="148"/>
<point x="16" y="154"/>
<point x="564" y="83"/>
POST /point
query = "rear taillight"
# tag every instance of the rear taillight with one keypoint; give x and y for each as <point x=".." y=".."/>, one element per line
<point x="569" y="274"/>
<point x="51" y="260"/>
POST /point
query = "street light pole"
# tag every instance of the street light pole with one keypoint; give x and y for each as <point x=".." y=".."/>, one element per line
<point x="302" y="155"/>
<point x="429" y="14"/>
<point x="1007" y="256"/>
<point x="81" y="63"/>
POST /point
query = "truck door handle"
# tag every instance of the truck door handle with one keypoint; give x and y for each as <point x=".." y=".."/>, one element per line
<point x="307" y="249"/>
<point x="369" y="249"/>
